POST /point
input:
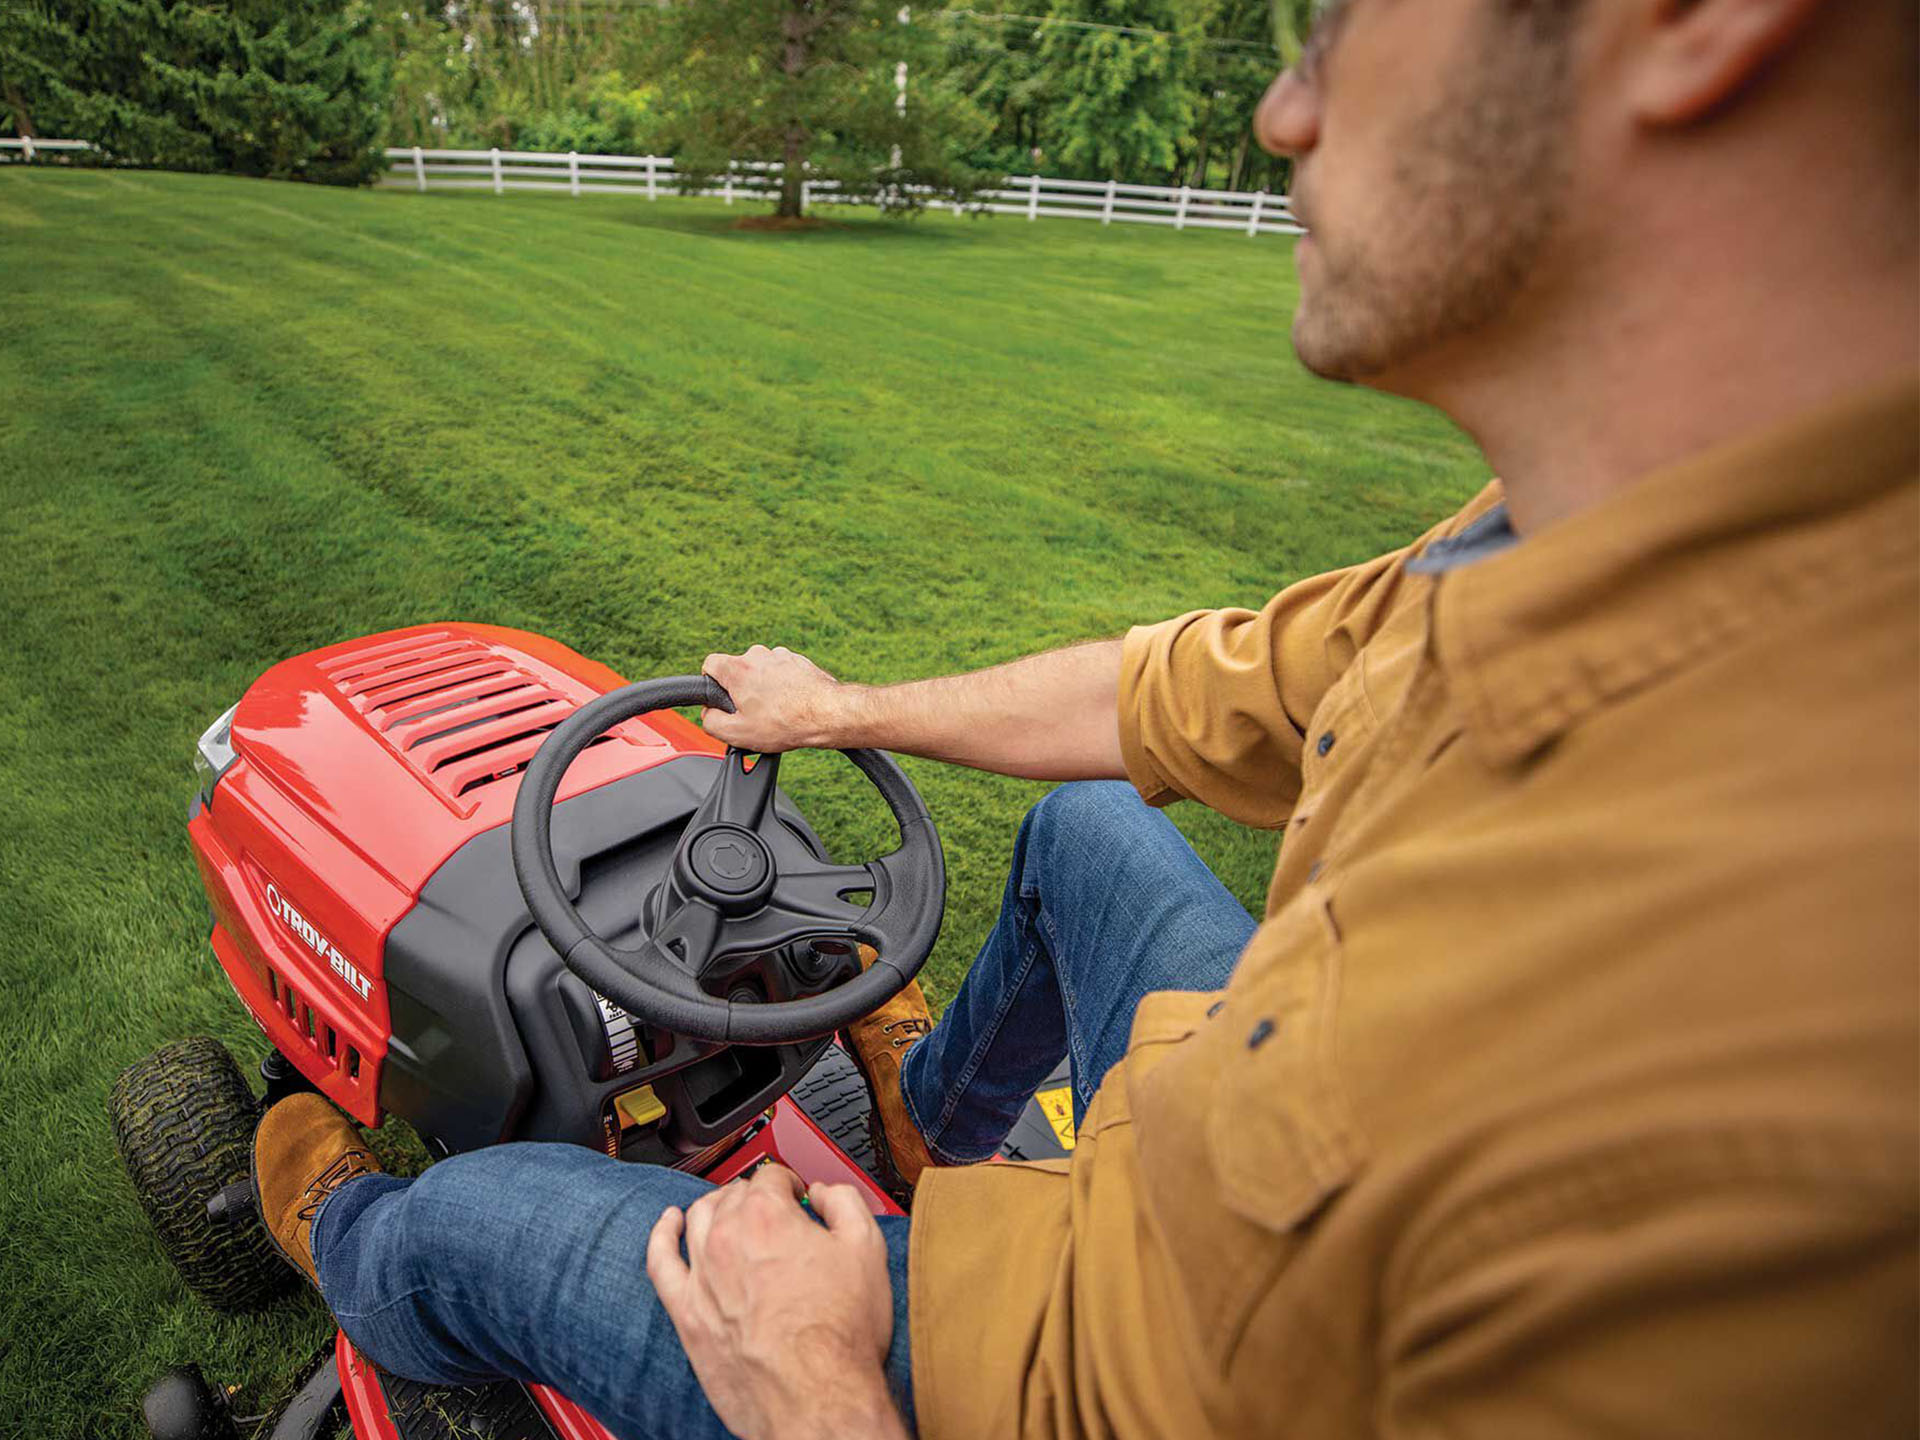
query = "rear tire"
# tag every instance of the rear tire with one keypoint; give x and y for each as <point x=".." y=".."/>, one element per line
<point x="183" y="1120"/>
<point x="835" y="1098"/>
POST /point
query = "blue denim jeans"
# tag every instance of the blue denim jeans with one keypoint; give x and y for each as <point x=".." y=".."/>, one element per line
<point x="528" y="1261"/>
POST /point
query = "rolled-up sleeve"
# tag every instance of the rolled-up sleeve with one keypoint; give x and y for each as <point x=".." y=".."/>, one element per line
<point x="1215" y="704"/>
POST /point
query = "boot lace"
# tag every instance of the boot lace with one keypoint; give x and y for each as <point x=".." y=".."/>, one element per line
<point x="911" y="1028"/>
<point x="353" y="1163"/>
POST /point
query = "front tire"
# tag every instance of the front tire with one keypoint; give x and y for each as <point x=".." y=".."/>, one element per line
<point x="181" y="1405"/>
<point x="835" y="1097"/>
<point x="183" y="1120"/>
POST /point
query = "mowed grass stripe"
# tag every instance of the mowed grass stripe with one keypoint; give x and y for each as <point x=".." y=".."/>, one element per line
<point x="243" y="420"/>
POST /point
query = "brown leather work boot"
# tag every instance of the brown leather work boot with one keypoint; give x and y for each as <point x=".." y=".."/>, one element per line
<point x="878" y="1043"/>
<point x="303" y="1151"/>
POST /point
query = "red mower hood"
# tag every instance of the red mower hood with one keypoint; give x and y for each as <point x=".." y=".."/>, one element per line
<point x="403" y="746"/>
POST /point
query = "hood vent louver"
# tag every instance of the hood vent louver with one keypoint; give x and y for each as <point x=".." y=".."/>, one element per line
<point x="456" y="711"/>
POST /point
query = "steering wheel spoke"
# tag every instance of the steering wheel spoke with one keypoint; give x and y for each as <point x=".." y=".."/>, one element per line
<point x="691" y="935"/>
<point x="816" y="894"/>
<point x="741" y="794"/>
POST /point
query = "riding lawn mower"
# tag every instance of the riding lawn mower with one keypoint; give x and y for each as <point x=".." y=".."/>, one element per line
<point x="465" y="877"/>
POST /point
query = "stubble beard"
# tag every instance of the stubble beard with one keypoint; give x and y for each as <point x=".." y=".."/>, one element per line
<point x="1474" y="197"/>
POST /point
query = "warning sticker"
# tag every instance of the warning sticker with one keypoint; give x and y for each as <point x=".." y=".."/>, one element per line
<point x="1057" y="1106"/>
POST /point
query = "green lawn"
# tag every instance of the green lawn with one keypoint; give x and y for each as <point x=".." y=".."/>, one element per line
<point x="239" y="420"/>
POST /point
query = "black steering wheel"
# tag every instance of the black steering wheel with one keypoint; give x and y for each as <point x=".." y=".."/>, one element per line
<point x="740" y="882"/>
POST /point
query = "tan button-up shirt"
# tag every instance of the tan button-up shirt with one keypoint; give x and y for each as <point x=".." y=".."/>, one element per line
<point x="1571" y="1085"/>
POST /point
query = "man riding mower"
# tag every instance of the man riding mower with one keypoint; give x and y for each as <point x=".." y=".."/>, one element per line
<point x="1567" y="1085"/>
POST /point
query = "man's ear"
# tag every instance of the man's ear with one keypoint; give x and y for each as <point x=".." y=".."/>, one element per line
<point x="1698" y="53"/>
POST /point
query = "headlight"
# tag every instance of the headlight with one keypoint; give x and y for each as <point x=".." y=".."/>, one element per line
<point x="214" y="754"/>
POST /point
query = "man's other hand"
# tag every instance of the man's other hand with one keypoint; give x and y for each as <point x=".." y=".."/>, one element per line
<point x="785" y="1321"/>
<point x="781" y="701"/>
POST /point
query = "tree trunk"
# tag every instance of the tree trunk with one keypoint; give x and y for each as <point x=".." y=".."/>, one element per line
<point x="1199" y="180"/>
<point x="17" y="103"/>
<point x="1239" y="162"/>
<point x="795" y="29"/>
<point x="793" y="172"/>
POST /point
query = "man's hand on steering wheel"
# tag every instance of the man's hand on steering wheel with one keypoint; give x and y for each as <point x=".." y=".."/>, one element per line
<point x="781" y="701"/>
<point x="786" y="1322"/>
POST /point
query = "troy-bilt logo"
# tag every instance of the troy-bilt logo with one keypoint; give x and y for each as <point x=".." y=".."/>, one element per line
<point x="316" y="942"/>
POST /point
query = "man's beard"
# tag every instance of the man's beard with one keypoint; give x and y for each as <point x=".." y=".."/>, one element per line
<point x="1475" y="195"/>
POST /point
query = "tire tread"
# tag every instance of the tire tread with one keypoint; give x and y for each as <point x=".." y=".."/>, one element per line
<point x="183" y="1121"/>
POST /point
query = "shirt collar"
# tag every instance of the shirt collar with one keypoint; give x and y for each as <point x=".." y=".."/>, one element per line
<point x="1674" y="567"/>
<point x="1485" y="535"/>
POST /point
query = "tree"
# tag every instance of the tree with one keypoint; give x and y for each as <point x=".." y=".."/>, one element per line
<point x="996" y="61"/>
<point x="1234" y="67"/>
<point x="813" y="85"/>
<point x="1123" y="85"/>
<point x="78" y="71"/>
<point x="1180" y="79"/>
<point x="293" y="89"/>
<point x="520" y="74"/>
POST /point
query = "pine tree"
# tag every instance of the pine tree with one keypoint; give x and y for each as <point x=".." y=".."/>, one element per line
<point x="812" y="84"/>
<point x="77" y="69"/>
<point x="294" y="90"/>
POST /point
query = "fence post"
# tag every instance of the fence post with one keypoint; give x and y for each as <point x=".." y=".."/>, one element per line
<point x="1033" y="197"/>
<point x="573" y="172"/>
<point x="806" y="195"/>
<point x="652" y="193"/>
<point x="498" y="188"/>
<point x="419" y="170"/>
<point x="1106" y="210"/>
<point x="26" y="148"/>
<point x="726" y="190"/>
<point x="1253" y="225"/>
<point x="1180" y="215"/>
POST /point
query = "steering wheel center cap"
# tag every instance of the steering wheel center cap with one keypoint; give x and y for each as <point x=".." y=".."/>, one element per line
<point x="729" y="861"/>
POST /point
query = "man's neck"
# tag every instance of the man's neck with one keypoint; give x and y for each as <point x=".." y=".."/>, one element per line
<point x="1656" y="377"/>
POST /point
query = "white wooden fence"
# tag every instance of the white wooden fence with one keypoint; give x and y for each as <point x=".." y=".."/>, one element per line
<point x="1031" y="196"/>
<point x="27" y="148"/>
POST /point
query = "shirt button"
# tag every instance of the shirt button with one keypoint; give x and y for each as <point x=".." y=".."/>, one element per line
<point x="1262" y="1033"/>
<point x="1326" y="743"/>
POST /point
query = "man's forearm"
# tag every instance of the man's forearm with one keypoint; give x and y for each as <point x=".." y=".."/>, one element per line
<point x="1053" y="716"/>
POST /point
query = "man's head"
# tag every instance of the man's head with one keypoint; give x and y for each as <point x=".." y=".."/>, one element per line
<point x="1468" y="168"/>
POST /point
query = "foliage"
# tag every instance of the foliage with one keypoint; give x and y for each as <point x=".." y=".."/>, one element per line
<point x="1123" y="103"/>
<point x="523" y="76"/>
<point x="294" y="90"/>
<point x="1231" y="73"/>
<point x="998" y="63"/>
<point x="1155" y="91"/>
<point x="814" y="86"/>
<point x="78" y="72"/>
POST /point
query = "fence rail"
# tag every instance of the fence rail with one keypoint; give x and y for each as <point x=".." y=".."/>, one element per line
<point x="27" y="147"/>
<point x="1032" y="196"/>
